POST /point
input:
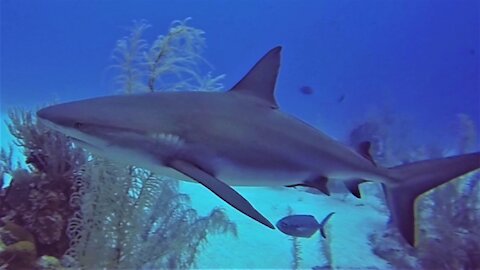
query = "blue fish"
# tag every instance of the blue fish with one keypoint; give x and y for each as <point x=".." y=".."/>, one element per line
<point x="302" y="225"/>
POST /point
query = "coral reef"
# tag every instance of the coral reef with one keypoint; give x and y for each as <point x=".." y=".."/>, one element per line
<point x="131" y="219"/>
<point x="68" y="208"/>
<point x="454" y="244"/>
<point x="35" y="203"/>
<point x="37" y="197"/>
<point x="448" y="219"/>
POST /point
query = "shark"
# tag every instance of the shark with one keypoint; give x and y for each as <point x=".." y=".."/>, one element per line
<point x="240" y="137"/>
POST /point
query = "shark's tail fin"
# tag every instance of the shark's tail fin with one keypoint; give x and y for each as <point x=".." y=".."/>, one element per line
<point x="416" y="178"/>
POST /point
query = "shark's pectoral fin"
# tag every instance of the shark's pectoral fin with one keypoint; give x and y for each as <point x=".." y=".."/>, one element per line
<point x="222" y="190"/>
<point x="319" y="183"/>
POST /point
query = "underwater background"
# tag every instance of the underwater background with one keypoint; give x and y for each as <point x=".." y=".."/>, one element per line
<point x="402" y="74"/>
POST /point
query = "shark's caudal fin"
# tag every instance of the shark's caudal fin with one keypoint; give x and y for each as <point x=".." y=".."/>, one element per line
<point x="415" y="178"/>
<point x="322" y="224"/>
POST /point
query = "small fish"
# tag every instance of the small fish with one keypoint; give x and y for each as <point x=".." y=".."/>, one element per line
<point x="302" y="225"/>
<point x="306" y="90"/>
<point x="341" y="98"/>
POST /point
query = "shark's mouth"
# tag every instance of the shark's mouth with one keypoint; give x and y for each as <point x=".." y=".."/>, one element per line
<point x="105" y="130"/>
<point x="98" y="137"/>
<point x="83" y="143"/>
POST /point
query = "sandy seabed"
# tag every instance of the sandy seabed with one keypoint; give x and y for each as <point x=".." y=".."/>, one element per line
<point x="260" y="247"/>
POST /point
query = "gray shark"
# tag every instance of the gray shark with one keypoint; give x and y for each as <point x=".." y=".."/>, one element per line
<point x="240" y="137"/>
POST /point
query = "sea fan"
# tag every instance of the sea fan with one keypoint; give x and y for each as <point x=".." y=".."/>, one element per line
<point x="173" y="62"/>
<point x="131" y="219"/>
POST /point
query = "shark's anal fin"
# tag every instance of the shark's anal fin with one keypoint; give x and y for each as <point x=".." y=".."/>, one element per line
<point x="352" y="186"/>
<point x="319" y="183"/>
<point x="222" y="190"/>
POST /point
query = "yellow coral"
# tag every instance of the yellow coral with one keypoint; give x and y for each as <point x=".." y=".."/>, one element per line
<point x="24" y="248"/>
<point x="48" y="263"/>
<point x="20" y="233"/>
<point x="2" y="246"/>
<point x="21" y="254"/>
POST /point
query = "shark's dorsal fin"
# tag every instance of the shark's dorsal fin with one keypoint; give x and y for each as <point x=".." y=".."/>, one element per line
<point x="260" y="80"/>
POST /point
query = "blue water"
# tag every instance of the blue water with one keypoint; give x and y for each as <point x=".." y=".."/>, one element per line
<point x="418" y="60"/>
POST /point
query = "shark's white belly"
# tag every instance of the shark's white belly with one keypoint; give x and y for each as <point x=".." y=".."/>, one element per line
<point x="237" y="173"/>
<point x="236" y="176"/>
<point x="226" y="171"/>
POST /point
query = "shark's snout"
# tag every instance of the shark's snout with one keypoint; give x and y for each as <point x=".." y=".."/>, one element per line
<point x="55" y="116"/>
<point x="45" y="113"/>
<point x="47" y="117"/>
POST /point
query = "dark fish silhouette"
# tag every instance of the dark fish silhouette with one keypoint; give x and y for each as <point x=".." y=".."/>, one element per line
<point x="306" y="90"/>
<point x="302" y="225"/>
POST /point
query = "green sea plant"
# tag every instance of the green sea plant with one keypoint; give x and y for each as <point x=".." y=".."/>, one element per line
<point x="17" y="246"/>
<point x="296" y="247"/>
<point x="172" y="62"/>
<point x="6" y="164"/>
<point x="6" y="169"/>
<point x="131" y="219"/>
<point x="467" y="137"/>
<point x="326" y="249"/>
<point x="128" y="57"/>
